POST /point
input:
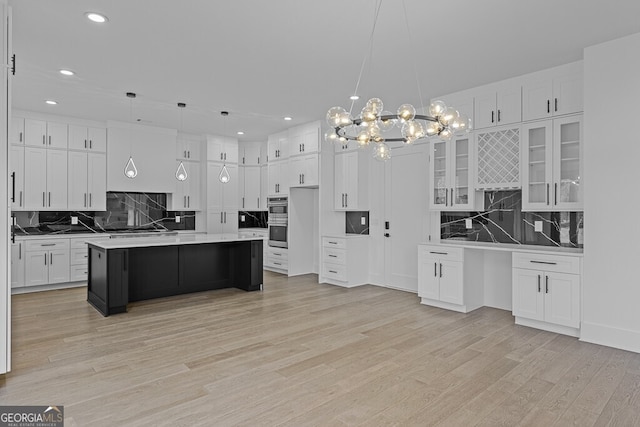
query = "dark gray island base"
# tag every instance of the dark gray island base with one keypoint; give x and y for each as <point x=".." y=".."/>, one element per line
<point x="123" y="272"/>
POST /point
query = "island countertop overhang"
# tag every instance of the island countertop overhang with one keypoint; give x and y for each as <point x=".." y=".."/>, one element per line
<point x="192" y="239"/>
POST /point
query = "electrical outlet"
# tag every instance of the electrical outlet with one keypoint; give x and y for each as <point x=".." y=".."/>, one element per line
<point x="537" y="226"/>
<point x="74" y="220"/>
<point x="468" y="223"/>
<point x="177" y="218"/>
<point x="242" y="218"/>
<point x="363" y="220"/>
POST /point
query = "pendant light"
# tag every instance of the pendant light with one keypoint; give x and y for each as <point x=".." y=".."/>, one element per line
<point x="130" y="170"/>
<point x="224" y="176"/>
<point x="181" y="172"/>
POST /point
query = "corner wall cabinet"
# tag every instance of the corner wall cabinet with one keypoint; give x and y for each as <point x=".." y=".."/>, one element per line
<point x="546" y="292"/>
<point x="552" y="165"/>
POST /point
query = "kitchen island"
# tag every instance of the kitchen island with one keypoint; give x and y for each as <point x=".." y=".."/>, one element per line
<point x="140" y="268"/>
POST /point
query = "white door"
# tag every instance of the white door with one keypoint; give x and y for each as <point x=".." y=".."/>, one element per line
<point x="406" y="190"/>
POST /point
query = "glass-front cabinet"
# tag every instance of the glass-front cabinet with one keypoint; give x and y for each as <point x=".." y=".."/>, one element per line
<point x="450" y="174"/>
<point x="552" y="165"/>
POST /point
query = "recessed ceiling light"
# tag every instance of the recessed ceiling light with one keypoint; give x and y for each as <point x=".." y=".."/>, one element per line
<point x="288" y="118"/>
<point x="240" y="132"/>
<point x="66" y="72"/>
<point x="96" y="17"/>
<point x="354" y="97"/>
<point x="51" y="102"/>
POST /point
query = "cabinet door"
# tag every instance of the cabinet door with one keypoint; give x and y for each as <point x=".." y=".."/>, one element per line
<point x="78" y="138"/>
<point x="351" y="176"/>
<point x="193" y="186"/>
<point x="283" y="146"/>
<point x="562" y="299"/>
<point x="35" y="133"/>
<point x="215" y="149"/>
<point x="214" y="222"/>
<point x="56" y="180"/>
<point x="77" y="181"/>
<point x="231" y="151"/>
<point x="37" y="268"/>
<point x="537" y="155"/>
<point x="17" y="265"/>
<point x="272" y="147"/>
<point x="310" y="176"/>
<point x="97" y="139"/>
<point x="485" y="109"/>
<point x="179" y="195"/>
<point x="97" y="181"/>
<point x="59" y="266"/>
<point x="340" y="186"/>
<point x="16" y="135"/>
<point x="230" y="222"/>
<point x="188" y="150"/>
<point x="264" y="187"/>
<point x="241" y="187"/>
<point x="230" y="189"/>
<point x="296" y="170"/>
<point x="428" y="281"/>
<point x="509" y="104"/>
<point x="16" y="169"/>
<point x="311" y="140"/>
<point x="274" y="178"/>
<point x="35" y="178"/>
<point x="528" y="295"/>
<point x="462" y="194"/>
<point x="451" y="285"/>
<point x="567" y="166"/>
<point x="57" y="135"/>
<point x="568" y="94"/>
<point x="214" y="187"/>
<point x="439" y="165"/>
<point x="251" y="188"/>
<point x="251" y="155"/>
<point x="536" y="98"/>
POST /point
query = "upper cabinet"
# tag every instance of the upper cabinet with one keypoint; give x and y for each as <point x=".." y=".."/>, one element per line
<point x="87" y="181"/>
<point x="278" y="146"/>
<point x="39" y="133"/>
<point x="16" y="133"/>
<point x="552" y="165"/>
<point x="252" y="153"/>
<point x="45" y="179"/>
<point x="188" y="148"/>
<point x="554" y="92"/>
<point x="87" y="138"/>
<point x="222" y="149"/>
<point x="497" y="104"/>
<point x="186" y="195"/>
<point x="351" y="192"/>
<point x="304" y="139"/>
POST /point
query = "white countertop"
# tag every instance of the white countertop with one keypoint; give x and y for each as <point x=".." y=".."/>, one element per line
<point x="345" y="236"/>
<point x="191" y="239"/>
<point x="507" y="247"/>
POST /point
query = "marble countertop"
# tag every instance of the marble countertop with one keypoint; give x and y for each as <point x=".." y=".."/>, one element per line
<point x="345" y="236"/>
<point x="191" y="239"/>
<point x="507" y="247"/>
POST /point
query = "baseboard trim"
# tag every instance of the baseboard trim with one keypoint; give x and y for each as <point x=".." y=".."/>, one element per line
<point x="624" y="339"/>
<point x="49" y="287"/>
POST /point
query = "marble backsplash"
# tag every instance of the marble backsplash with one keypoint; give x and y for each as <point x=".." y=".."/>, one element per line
<point x="357" y="222"/>
<point x="503" y="221"/>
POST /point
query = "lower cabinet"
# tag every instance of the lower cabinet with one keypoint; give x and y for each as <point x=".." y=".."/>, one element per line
<point x="277" y="259"/>
<point x="446" y="277"/>
<point x="546" y="292"/>
<point x="79" y="256"/>
<point x="345" y="260"/>
<point x="257" y="233"/>
<point x="17" y="264"/>
<point x="47" y="261"/>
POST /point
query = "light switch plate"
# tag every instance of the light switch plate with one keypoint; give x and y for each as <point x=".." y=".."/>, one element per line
<point x="467" y="223"/>
<point x="74" y="220"/>
<point x="177" y="218"/>
<point x="363" y="220"/>
<point x="537" y="226"/>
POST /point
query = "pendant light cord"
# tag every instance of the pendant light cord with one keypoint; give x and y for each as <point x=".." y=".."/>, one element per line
<point x="415" y="64"/>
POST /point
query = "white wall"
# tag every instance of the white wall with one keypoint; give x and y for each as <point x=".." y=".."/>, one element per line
<point x="5" y="213"/>
<point x="611" y="284"/>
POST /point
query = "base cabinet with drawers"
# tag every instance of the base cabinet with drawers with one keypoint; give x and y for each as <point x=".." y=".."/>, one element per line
<point x="277" y="259"/>
<point x="46" y="261"/>
<point x="445" y="277"/>
<point x="345" y="260"/>
<point x="78" y="261"/>
<point x="546" y="291"/>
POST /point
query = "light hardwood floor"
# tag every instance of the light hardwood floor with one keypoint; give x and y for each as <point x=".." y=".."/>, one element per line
<point x="301" y="354"/>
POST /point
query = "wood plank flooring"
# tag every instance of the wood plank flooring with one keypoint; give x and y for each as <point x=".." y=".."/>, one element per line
<point x="304" y="354"/>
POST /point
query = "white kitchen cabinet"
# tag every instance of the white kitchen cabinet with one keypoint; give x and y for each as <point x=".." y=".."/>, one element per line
<point x="16" y="171"/>
<point x="554" y="92"/>
<point x="303" y="171"/>
<point x="87" y="181"/>
<point x="345" y="260"/>
<point x="38" y="133"/>
<point x="445" y="278"/>
<point x="186" y="195"/>
<point x="546" y="292"/>
<point x="219" y="222"/>
<point x="87" y="138"/>
<point x="498" y="104"/>
<point x="277" y="259"/>
<point x="552" y="165"/>
<point x="343" y="148"/>
<point x="249" y="188"/>
<point x="16" y="134"/>
<point x="17" y="264"/>
<point x="264" y="187"/>
<point x="222" y="149"/>
<point x="45" y="183"/>
<point x="188" y="149"/>
<point x="304" y="139"/>
<point x="351" y="180"/>
<point x="461" y="101"/>
<point x="278" y="146"/>
<point x="46" y="261"/>
<point x="221" y="196"/>
<point x="452" y="175"/>
<point x="252" y="153"/>
<point x="78" y="260"/>
<point x="278" y="178"/>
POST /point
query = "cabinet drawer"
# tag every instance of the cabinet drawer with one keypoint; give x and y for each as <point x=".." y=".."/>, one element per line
<point x="334" y="242"/>
<point x="440" y="252"/>
<point x="46" y="245"/>
<point x="79" y="256"/>
<point x="276" y="253"/>
<point x="277" y="263"/>
<point x="79" y="273"/>
<point x="334" y="271"/>
<point x="79" y="243"/>
<point x="546" y="262"/>
<point x="335" y="256"/>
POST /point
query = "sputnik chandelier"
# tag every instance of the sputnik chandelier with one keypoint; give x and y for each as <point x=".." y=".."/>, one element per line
<point x="369" y="127"/>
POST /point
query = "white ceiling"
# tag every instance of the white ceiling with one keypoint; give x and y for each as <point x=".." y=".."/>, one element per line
<point x="262" y="60"/>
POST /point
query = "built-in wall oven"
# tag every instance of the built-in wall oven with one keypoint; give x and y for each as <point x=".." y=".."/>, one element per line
<point x="278" y="221"/>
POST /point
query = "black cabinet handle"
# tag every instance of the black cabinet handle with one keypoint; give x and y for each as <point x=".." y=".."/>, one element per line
<point x="538" y="283"/>
<point x="439" y="253"/>
<point x="43" y="205"/>
<point x="548" y="106"/>
<point x="547" y="193"/>
<point x="446" y="197"/>
<point x="546" y="284"/>
<point x="13" y="64"/>
<point x="498" y="116"/>
<point x="556" y="104"/>
<point x="49" y="198"/>
<point x="491" y="116"/>
<point x="85" y="200"/>
<point x="85" y="143"/>
<point x="543" y="262"/>
<point x="13" y="187"/>
<point x="435" y="269"/>
<point x="45" y="259"/>
<point x="440" y="269"/>
<point x="333" y="271"/>
<point x="555" y="193"/>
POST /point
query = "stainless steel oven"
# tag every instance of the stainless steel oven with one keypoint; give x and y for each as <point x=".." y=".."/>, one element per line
<point x="278" y="221"/>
